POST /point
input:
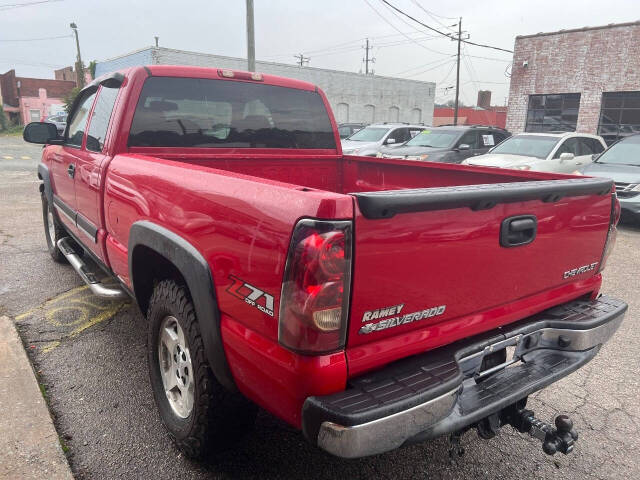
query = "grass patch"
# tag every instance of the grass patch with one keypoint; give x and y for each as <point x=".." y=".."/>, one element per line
<point x="64" y="446"/>
<point x="13" y="131"/>
<point x="43" y="391"/>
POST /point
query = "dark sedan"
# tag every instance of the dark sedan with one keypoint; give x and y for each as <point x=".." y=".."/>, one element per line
<point x="621" y="163"/>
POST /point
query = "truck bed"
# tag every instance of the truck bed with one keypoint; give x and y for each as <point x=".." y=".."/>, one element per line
<point x="352" y="174"/>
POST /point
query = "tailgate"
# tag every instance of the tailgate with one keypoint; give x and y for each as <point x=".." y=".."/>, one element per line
<point x="430" y="256"/>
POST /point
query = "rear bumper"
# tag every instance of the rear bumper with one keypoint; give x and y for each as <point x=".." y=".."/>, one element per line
<point x="437" y="393"/>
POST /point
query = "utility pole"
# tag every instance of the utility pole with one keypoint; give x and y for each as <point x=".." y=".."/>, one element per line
<point x="157" y="38"/>
<point x="366" y="58"/>
<point x="251" y="41"/>
<point x="455" y="110"/>
<point x="302" y="60"/>
<point x="79" y="66"/>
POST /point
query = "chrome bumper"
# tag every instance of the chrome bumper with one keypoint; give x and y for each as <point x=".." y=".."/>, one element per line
<point x="552" y="344"/>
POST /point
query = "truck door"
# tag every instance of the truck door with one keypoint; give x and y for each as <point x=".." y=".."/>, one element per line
<point x="89" y="159"/>
<point x="63" y="168"/>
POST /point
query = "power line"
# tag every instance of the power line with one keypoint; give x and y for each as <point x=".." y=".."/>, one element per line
<point x="433" y="15"/>
<point x="450" y="35"/>
<point x="402" y="33"/>
<point x="35" y="39"/>
<point x="11" y="6"/>
<point x="420" y="66"/>
<point x="444" y="63"/>
<point x="490" y="58"/>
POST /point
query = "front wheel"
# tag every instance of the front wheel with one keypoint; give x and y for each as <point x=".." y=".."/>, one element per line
<point x="53" y="231"/>
<point x="196" y="409"/>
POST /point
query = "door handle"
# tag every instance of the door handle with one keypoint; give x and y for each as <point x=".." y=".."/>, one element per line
<point x="518" y="230"/>
<point x="71" y="170"/>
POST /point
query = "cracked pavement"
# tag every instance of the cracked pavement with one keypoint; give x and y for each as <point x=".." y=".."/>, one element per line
<point x="90" y="356"/>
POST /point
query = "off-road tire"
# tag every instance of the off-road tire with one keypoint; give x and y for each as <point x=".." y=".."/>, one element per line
<point x="58" y="231"/>
<point x="218" y="417"/>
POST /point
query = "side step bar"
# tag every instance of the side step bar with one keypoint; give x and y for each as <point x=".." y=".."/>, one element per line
<point x="96" y="286"/>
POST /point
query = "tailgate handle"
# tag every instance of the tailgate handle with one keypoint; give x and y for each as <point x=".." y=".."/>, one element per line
<point x="518" y="230"/>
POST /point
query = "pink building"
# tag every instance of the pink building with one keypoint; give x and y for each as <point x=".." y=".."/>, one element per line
<point x="32" y="99"/>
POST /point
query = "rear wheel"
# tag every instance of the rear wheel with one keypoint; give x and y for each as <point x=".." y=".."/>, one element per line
<point x="199" y="413"/>
<point x="53" y="231"/>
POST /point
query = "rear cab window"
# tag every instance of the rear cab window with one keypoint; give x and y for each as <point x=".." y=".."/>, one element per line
<point x="210" y="113"/>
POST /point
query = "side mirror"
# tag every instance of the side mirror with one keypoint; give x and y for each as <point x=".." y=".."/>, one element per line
<point x="40" y="132"/>
<point x="566" y="156"/>
<point x="390" y="141"/>
<point x="463" y="146"/>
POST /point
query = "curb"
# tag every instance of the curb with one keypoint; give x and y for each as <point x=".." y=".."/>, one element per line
<point x="29" y="446"/>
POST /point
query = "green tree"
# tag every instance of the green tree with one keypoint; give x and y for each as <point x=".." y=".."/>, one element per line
<point x="92" y="68"/>
<point x="70" y="97"/>
<point x="3" y="119"/>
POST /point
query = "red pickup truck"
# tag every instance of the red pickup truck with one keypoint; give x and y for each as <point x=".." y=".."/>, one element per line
<point x="370" y="302"/>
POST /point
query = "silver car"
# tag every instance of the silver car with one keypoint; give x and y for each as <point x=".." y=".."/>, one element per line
<point x="367" y="141"/>
<point x="59" y="120"/>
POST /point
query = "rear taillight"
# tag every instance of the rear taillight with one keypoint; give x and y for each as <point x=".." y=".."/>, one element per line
<point x="315" y="291"/>
<point x="612" y="233"/>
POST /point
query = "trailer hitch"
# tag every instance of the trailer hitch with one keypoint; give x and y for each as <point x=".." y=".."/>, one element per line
<point x="562" y="438"/>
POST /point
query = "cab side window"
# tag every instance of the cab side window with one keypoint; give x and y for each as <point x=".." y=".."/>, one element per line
<point x="589" y="146"/>
<point x="100" y="118"/>
<point x="400" y="135"/>
<point x="469" y="138"/>
<point x="570" y="145"/>
<point x="78" y="121"/>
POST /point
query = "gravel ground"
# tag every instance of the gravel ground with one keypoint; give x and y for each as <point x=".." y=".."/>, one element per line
<point x="90" y="355"/>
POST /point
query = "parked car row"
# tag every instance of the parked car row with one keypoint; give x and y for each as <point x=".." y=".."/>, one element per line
<point x="478" y="145"/>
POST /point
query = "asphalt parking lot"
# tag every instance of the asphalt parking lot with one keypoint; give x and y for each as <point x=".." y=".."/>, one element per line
<point x="90" y="357"/>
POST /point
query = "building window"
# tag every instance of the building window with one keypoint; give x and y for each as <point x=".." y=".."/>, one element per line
<point x="416" y="115"/>
<point x="548" y="113"/>
<point x="619" y="115"/>
<point x="34" y="115"/>
<point x="369" y="113"/>
<point x="342" y="112"/>
<point x="394" y="114"/>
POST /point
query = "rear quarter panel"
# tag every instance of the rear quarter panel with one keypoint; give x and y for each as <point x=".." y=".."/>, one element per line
<point x="241" y="225"/>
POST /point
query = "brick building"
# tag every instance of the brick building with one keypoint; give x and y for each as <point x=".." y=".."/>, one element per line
<point x="494" y="116"/>
<point x="585" y="80"/>
<point x="27" y="100"/>
<point x="353" y="97"/>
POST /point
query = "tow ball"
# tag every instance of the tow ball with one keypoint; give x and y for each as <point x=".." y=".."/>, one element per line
<point x="562" y="438"/>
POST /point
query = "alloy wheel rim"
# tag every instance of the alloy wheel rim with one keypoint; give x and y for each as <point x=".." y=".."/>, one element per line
<point x="176" y="368"/>
<point x="51" y="227"/>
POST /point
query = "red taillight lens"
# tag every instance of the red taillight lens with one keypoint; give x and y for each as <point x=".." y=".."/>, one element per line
<point x="612" y="233"/>
<point x="315" y="291"/>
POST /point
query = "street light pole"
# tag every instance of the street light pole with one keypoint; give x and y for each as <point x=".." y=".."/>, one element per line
<point x="455" y="111"/>
<point x="251" y="43"/>
<point x="79" y="66"/>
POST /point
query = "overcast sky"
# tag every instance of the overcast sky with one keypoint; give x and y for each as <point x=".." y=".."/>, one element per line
<point x="330" y="32"/>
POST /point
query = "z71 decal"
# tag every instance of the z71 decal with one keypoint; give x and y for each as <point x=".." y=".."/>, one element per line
<point x="252" y="295"/>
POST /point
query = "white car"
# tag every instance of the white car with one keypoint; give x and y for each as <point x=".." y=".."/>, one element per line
<point x="564" y="152"/>
<point x="367" y="142"/>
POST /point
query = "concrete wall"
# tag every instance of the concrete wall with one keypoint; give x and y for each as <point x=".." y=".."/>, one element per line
<point x="353" y="97"/>
<point x="588" y="61"/>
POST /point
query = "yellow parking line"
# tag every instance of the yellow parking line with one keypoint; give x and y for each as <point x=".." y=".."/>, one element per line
<point x="25" y="157"/>
<point x="62" y="296"/>
<point x="7" y="157"/>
